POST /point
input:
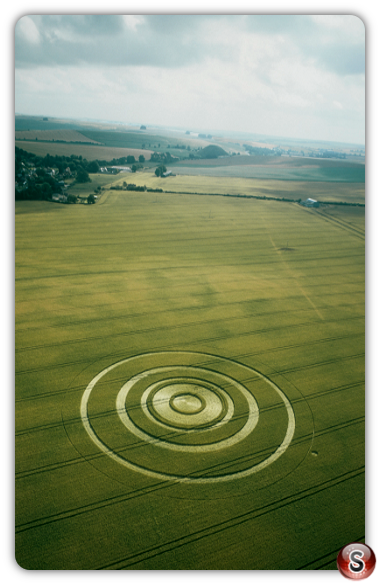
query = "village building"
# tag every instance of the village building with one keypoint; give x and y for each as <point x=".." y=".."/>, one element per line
<point x="122" y="169"/>
<point x="59" y="198"/>
<point x="310" y="203"/>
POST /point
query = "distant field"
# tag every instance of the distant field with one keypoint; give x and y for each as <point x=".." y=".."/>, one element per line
<point x="88" y="152"/>
<point x="154" y="141"/>
<point x="52" y="135"/>
<point x="272" y="161"/>
<point x="349" y="173"/>
<point x="292" y="178"/>
<point x="126" y="139"/>
<point x="322" y="191"/>
<point x="219" y="297"/>
<point x="23" y="123"/>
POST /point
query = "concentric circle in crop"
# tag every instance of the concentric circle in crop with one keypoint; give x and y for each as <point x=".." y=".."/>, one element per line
<point x="187" y="417"/>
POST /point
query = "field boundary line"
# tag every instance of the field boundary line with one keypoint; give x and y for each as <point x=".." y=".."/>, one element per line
<point x="240" y="356"/>
<point x="342" y="223"/>
<point x="189" y="309"/>
<point x="229" y="524"/>
<point x="299" y="441"/>
<point x="33" y="524"/>
<point x="168" y="268"/>
<point x="350" y="229"/>
<point x="191" y="343"/>
<point x="334" y="552"/>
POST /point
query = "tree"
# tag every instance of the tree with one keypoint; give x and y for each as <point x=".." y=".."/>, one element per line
<point x="93" y="167"/>
<point x="141" y="158"/>
<point x="46" y="190"/>
<point x="91" y="199"/>
<point x="72" y="198"/>
<point x="82" y="176"/>
<point x="159" y="172"/>
<point x="130" y="160"/>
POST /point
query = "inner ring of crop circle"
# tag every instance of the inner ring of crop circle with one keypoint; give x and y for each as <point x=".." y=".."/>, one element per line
<point x="163" y="404"/>
<point x="226" y="414"/>
<point x="252" y="419"/>
<point x="211" y="407"/>
<point x="180" y="478"/>
<point x="187" y="403"/>
<point x="218" y="408"/>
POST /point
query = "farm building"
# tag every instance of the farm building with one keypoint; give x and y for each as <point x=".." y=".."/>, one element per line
<point x="59" y="198"/>
<point x="123" y="169"/>
<point x="310" y="203"/>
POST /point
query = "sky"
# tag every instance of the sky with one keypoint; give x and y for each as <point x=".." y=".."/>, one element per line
<point x="297" y="76"/>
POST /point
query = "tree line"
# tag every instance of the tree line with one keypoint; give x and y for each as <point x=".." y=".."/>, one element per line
<point x="35" y="180"/>
<point x="73" y="162"/>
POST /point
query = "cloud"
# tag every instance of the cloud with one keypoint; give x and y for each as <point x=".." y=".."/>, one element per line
<point x="265" y="73"/>
<point x="132" y="21"/>
<point x="343" y="59"/>
<point x="28" y="30"/>
<point x="334" y="43"/>
<point x="341" y="46"/>
<point x="161" y="41"/>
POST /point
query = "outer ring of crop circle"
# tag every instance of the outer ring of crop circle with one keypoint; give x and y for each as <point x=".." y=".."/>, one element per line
<point x="179" y="478"/>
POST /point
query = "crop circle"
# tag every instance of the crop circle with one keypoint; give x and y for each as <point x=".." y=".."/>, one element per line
<point x="165" y="421"/>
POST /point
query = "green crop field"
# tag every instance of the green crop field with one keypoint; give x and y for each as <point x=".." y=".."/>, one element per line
<point x="90" y="152"/>
<point x="152" y="140"/>
<point x="349" y="174"/>
<point x="189" y="383"/>
<point x="53" y="135"/>
<point x="97" y="180"/>
<point x="322" y="191"/>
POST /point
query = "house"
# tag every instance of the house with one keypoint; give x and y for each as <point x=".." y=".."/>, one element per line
<point x="59" y="198"/>
<point x="166" y="174"/>
<point x="123" y="169"/>
<point x="310" y="203"/>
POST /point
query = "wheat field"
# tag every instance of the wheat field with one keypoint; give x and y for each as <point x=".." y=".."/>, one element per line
<point x="189" y="382"/>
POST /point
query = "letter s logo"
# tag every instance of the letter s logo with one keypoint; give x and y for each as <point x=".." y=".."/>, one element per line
<point x="356" y="565"/>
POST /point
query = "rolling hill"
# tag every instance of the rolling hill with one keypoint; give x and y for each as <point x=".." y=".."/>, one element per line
<point x="212" y="151"/>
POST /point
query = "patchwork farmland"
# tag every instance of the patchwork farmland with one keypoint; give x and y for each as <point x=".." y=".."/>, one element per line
<point x="337" y="192"/>
<point x="90" y="151"/>
<point x="189" y="379"/>
<point x="53" y="136"/>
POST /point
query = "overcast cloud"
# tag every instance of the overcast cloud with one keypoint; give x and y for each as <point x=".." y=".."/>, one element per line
<point x="295" y="76"/>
